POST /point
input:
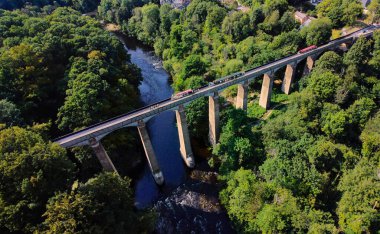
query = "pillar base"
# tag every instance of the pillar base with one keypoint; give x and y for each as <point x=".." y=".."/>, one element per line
<point x="189" y="160"/>
<point x="158" y="178"/>
<point x="149" y="153"/>
<point x="184" y="137"/>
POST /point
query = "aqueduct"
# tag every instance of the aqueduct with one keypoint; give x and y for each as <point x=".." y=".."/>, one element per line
<point x="92" y="135"/>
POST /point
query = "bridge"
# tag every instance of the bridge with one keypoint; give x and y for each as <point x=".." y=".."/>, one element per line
<point x="92" y="135"/>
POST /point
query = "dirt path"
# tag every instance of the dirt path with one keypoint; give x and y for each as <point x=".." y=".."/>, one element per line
<point x="269" y="112"/>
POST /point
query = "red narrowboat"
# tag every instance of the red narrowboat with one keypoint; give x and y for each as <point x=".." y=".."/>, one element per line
<point x="182" y="94"/>
<point x="307" y="49"/>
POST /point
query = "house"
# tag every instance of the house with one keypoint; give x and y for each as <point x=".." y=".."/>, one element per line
<point x="365" y="3"/>
<point x="176" y="3"/>
<point x="301" y="17"/>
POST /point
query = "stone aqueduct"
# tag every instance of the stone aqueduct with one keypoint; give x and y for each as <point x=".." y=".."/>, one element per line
<point x="92" y="135"/>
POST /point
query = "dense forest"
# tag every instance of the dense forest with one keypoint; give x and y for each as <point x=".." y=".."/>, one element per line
<point x="60" y="72"/>
<point x="312" y="164"/>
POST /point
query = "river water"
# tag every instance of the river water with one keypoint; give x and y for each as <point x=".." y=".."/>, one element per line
<point x="161" y="128"/>
<point x="188" y="201"/>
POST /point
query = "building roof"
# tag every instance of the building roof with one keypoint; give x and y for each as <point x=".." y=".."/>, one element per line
<point x="365" y="3"/>
<point x="300" y="15"/>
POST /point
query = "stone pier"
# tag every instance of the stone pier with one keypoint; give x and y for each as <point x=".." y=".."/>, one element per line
<point x="149" y="152"/>
<point x="309" y="65"/>
<point x="184" y="138"/>
<point x="102" y="155"/>
<point x="288" y="78"/>
<point x="266" y="90"/>
<point x="242" y="96"/>
<point x="213" y="118"/>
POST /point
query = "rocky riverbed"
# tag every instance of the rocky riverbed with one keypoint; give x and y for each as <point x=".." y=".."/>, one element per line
<point x="193" y="207"/>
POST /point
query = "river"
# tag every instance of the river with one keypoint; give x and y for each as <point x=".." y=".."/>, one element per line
<point x="188" y="201"/>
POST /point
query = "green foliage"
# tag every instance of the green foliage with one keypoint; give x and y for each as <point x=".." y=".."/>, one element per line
<point x="358" y="207"/>
<point x="255" y="110"/>
<point x="359" y="53"/>
<point x="341" y="12"/>
<point x="244" y="196"/>
<point x="375" y="61"/>
<point x="374" y="8"/>
<point x="94" y="87"/>
<point x="236" y="147"/>
<point x="371" y="137"/>
<point x="31" y="171"/>
<point x="145" y="23"/>
<point x="360" y="111"/>
<point x="192" y="66"/>
<point x="85" y="5"/>
<point x="318" y="32"/>
<point x="324" y="85"/>
<point x="309" y="146"/>
<point x="104" y="204"/>
<point x="335" y="124"/>
<point x="9" y="114"/>
<point x="118" y="11"/>
<point x="14" y="4"/>
<point x="49" y="54"/>
<point x="237" y="26"/>
<point x="329" y="61"/>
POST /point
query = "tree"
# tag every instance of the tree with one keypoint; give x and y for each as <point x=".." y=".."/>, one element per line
<point x="280" y="216"/>
<point x="145" y="22"/>
<point x="329" y="61"/>
<point x="237" y="145"/>
<point x="118" y="11"/>
<point x="233" y="65"/>
<point x="340" y="12"/>
<point x="237" y="25"/>
<point x="9" y="114"/>
<point x="375" y="61"/>
<point x="96" y="90"/>
<point x="374" y="8"/>
<point x="243" y="197"/>
<point x="359" y="53"/>
<point x="335" y="124"/>
<point x="358" y="207"/>
<point x="324" y="85"/>
<point x="104" y="204"/>
<point x="31" y="171"/>
<point x="352" y="10"/>
<point x="371" y="137"/>
<point x="332" y="10"/>
<point x="318" y="32"/>
<point x="192" y="66"/>
<point x="85" y="5"/>
<point x="360" y="111"/>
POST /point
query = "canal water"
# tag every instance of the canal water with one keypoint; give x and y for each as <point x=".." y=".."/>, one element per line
<point x="188" y="202"/>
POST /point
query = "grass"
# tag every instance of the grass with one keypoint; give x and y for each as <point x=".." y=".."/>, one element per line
<point x="255" y="111"/>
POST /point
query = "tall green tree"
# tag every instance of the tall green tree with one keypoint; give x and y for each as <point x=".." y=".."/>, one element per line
<point x="31" y="171"/>
<point x="104" y="204"/>
<point x="358" y="207"/>
<point x="318" y="32"/>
